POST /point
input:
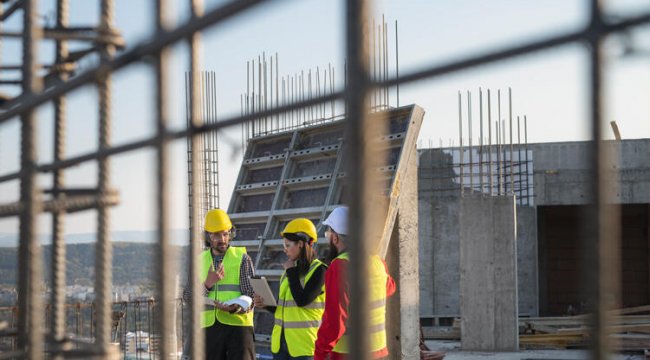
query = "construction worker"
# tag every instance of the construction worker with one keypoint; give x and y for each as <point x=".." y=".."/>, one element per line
<point x="301" y="300"/>
<point x="332" y="339"/>
<point x="225" y="273"/>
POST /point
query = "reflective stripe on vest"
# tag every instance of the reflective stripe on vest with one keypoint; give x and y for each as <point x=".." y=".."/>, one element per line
<point x="299" y="324"/>
<point x="227" y="288"/>
<point x="377" y="279"/>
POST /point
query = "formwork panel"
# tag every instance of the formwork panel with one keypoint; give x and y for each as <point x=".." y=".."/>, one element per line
<point x="308" y="164"/>
<point x="305" y="198"/>
<point x="263" y="175"/>
<point x="251" y="203"/>
<point x="314" y="167"/>
<point x="270" y="148"/>
<point x="250" y="231"/>
<point x="316" y="139"/>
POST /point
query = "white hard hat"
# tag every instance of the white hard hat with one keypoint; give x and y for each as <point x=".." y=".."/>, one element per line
<point x="338" y="220"/>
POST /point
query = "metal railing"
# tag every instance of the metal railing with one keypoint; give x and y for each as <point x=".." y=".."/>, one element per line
<point x="600" y="221"/>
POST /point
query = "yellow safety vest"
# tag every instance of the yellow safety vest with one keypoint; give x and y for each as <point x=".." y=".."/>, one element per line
<point x="300" y="324"/>
<point x="227" y="288"/>
<point x="377" y="279"/>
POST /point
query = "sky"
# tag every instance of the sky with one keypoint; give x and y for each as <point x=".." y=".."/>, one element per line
<point x="548" y="87"/>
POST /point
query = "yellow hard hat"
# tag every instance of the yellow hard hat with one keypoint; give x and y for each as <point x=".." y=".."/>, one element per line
<point x="216" y="220"/>
<point x="301" y="225"/>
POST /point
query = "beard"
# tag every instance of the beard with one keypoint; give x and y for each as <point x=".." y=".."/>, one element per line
<point x="332" y="253"/>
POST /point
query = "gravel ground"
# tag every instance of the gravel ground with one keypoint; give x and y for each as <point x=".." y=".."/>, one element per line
<point x="452" y="348"/>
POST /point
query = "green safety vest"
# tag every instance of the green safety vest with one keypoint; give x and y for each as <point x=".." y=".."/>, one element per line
<point x="300" y="324"/>
<point x="377" y="279"/>
<point x="226" y="289"/>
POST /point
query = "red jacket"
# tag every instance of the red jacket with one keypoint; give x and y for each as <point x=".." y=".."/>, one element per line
<point x="337" y="301"/>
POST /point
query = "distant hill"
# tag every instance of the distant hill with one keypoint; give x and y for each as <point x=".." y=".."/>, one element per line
<point x="178" y="237"/>
<point x="133" y="263"/>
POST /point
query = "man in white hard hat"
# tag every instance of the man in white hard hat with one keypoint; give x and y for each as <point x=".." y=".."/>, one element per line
<point x="332" y="339"/>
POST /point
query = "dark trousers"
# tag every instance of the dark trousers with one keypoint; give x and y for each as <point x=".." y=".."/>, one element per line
<point x="226" y="342"/>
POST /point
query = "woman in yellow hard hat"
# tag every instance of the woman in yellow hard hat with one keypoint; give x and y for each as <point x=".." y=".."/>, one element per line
<point x="301" y="300"/>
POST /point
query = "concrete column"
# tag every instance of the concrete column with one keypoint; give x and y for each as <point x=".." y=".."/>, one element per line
<point x="488" y="273"/>
<point x="403" y="308"/>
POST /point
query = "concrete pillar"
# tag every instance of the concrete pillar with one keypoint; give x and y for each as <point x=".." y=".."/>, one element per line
<point x="488" y="273"/>
<point x="403" y="308"/>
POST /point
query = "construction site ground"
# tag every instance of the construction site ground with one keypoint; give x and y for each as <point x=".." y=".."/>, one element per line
<point x="454" y="352"/>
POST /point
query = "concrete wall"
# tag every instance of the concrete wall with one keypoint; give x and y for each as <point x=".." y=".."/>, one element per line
<point x="403" y="307"/>
<point x="561" y="172"/>
<point x="560" y="175"/>
<point x="439" y="228"/>
<point x="488" y="273"/>
<point x="439" y="233"/>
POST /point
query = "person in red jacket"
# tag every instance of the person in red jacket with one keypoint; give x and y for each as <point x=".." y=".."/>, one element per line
<point x="331" y="341"/>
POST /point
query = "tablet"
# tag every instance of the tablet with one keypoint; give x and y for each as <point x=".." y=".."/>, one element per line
<point x="261" y="288"/>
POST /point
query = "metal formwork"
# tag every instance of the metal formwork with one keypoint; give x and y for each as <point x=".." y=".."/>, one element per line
<point x="301" y="173"/>
<point x="600" y="222"/>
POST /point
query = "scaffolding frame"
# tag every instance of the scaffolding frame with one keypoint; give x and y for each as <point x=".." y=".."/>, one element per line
<point x="600" y="222"/>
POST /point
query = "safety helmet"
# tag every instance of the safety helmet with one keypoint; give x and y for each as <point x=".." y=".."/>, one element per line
<point x="301" y="225"/>
<point x="338" y="220"/>
<point x="216" y="220"/>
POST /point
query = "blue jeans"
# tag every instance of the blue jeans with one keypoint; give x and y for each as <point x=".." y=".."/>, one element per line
<point x="283" y="353"/>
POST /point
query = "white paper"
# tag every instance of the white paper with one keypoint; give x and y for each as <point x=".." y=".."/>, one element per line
<point x="261" y="288"/>
<point x="208" y="301"/>
<point x="243" y="301"/>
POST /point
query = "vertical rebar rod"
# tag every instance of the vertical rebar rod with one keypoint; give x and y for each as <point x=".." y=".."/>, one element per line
<point x="460" y="136"/>
<point x="519" y="186"/>
<point x="104" y="251"/>
<point x="526" y="157"/>
<point x="58" y="242"/>
<point x="197" y="337"/>
<point x="489" y="103"/>
<point x="277" y="87"/>
<point x="471" y="154"/>
<point x="165" y="272"/>
<point x="499" y="165"/>
<point x="205" y="138"/>
<point x="480" y="141"/>
<point x="332" y="89"/>
<point x="373" y="62"/>
<point x="386" y="94"/>
<point x="397" y="62"/>
<point x="512" y="177"/>
<point x="359" y="140"/>
<point x="504" y="161"/>
<point x="30" y="331"/>
<point x="215" y="172"/>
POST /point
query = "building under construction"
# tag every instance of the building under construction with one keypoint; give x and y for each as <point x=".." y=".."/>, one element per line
<point x="477" y="257"/>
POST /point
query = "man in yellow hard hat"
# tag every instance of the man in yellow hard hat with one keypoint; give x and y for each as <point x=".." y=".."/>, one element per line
<point x="225" y="273"/>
